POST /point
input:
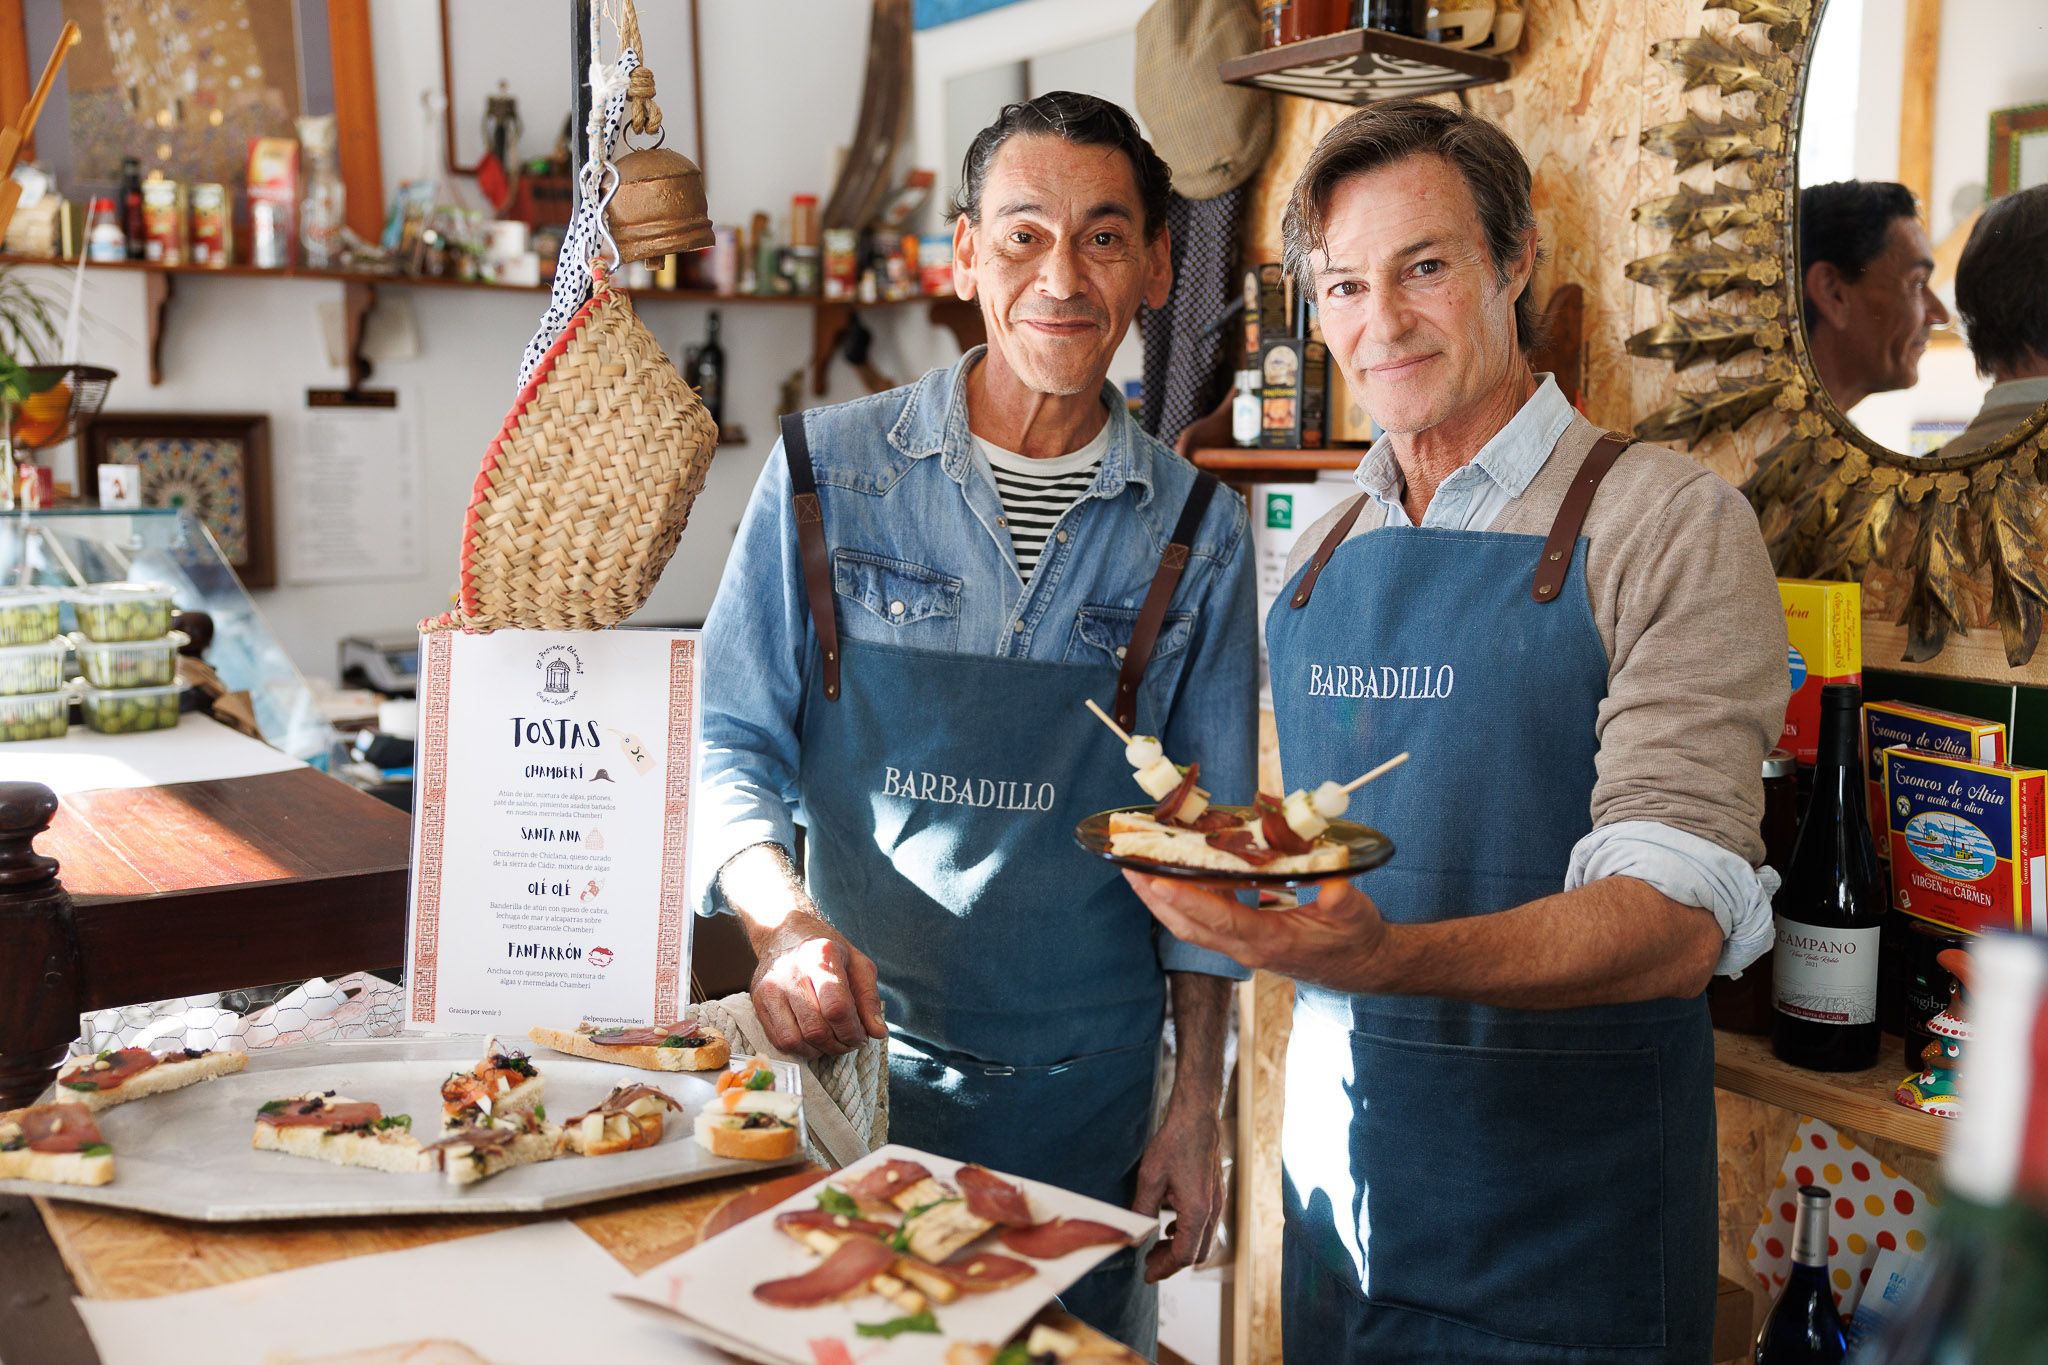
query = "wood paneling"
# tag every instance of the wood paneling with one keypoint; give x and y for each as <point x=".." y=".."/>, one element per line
<point x="1916" y="98"/>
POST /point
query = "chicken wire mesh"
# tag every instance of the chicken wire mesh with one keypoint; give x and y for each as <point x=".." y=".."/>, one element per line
<point x="355" y="1006"/>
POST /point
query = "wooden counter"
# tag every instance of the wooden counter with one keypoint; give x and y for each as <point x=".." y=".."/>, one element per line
<point x="1860" y="1101"/>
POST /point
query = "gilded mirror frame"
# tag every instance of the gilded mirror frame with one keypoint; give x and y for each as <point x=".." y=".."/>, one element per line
<point x="1832" y="502"/>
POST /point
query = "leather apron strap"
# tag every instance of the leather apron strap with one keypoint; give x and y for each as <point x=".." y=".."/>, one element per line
<point x="1145" y="634"/>
<point x="1556" y="559"/>
<point x="810" y="539"/>
<point x="1307" y="586"/>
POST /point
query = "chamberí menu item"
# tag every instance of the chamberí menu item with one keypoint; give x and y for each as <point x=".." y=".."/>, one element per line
<point x="551" y="829"/>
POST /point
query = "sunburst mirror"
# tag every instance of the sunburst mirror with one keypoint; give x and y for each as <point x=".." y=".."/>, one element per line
<point x="1892" y="468"/>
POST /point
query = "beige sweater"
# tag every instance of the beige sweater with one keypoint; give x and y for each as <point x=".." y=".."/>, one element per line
<point x="1686" y="603"/>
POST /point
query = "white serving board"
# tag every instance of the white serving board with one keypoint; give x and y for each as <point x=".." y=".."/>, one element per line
<point x="707" y="1291"/>
<point x="187" y="1155"/>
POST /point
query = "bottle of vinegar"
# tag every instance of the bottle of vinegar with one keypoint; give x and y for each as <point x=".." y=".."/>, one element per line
<point x="1804" y="1328"/>
<point x="708" y="373"/>
<point x="1830" y="911"/>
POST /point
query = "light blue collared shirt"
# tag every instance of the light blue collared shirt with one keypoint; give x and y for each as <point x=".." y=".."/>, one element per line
<point x="1682" y="865"/>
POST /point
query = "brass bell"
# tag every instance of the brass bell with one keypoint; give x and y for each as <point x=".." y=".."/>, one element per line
<point x="659" y="207"/>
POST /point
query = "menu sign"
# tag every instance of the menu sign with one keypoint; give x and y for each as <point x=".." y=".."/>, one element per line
<point x="551" y="829"/>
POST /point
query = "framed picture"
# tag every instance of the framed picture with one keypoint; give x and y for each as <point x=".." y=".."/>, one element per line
<point x="2019" y="149"/>
<point x="214" y="465"/>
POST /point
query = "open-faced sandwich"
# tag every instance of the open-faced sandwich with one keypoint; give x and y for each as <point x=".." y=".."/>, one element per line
<point x="496" y="1144"/>
<point x="503" y="1085"/>
<point x="1185" y="830"/>
<point x="59" y="1143"/>
<point x="113" y="1077"/>
<point x="749" y="1118"/>
<point x="631" y="1116"/>
<point x="1054" y="1338"/>
<point x="329" y="1127"/>
<point x="673" y="1047"/>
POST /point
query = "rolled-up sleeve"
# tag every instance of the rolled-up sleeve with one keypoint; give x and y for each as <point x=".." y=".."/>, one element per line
<point x="1215" y="715"/>
<point x="1696" y="698"/>
<point x="757" y="659"/>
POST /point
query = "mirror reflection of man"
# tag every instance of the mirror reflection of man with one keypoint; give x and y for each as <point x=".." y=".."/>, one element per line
<point x="1866" y="265"/>
<point x="2002" y="293"/>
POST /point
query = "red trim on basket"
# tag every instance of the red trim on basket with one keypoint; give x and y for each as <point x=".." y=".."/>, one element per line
<point x="480" y="489"/>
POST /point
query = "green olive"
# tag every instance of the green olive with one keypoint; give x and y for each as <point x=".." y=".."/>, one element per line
<point x="30" y="623"/>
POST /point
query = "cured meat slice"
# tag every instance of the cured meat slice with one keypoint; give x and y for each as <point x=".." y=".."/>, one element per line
<point x="123" y="1065"/>
<point x="992" y="1198"/>
<point x="982" y="1272"/>
<point x="620" y="1100"/>
<point x="58" y="1128"/>
<point x="1213" y="821"/>
<point x="318" y="1113"/>
<point x="1169" y="807"/>
<point x="1050" y="1241"/>
<point x="843" y="1274"/>
<point x="886" y="1181"/>
<point x="804" y="1220"/>
<point x="646" y="1037"/>
<point x="1241" y="843"/>
<point x="1281" y="836"/>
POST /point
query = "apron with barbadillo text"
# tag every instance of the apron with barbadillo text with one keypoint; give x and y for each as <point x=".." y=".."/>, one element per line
<point x="1020" y="975"/>
<point x="1466" y="1182"/>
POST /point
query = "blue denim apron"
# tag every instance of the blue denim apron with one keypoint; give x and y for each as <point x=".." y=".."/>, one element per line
<point x="1020" y="976"/>
<point x="1465" y="1182"/>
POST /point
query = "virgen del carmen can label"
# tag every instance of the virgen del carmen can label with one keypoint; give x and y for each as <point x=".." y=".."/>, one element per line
<point x="1966" y="841"/>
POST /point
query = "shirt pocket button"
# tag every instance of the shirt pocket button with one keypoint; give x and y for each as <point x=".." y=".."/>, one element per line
<point x="896" y="609"/>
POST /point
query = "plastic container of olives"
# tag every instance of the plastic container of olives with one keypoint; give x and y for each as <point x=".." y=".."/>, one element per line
<point x="113" y="612"/>
<point x="40" y="715"/>
<point x="138" y="663"/>
<point x="130" y="711"/>
<point x="26" y="669"/>
<point x="28" y="616"/>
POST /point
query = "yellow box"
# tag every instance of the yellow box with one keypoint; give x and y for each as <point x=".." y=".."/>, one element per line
<point x="1824" y="634"/>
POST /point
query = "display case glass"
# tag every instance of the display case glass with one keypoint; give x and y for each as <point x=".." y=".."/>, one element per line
<point x="69" y="549"/>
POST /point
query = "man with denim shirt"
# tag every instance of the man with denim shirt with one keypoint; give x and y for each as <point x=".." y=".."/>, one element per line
<point x="879" y="671"/>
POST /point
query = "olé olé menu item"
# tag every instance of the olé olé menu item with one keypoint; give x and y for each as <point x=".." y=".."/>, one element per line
<point x="1275" y="835"/>
<point x="1967" y="841"/>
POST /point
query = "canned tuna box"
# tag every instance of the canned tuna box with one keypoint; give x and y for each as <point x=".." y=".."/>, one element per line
<point x="1898" y="724"/>
<point x="1966" y="841"/>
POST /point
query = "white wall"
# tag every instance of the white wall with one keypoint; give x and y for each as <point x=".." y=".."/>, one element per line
<point x="782" y="90"/>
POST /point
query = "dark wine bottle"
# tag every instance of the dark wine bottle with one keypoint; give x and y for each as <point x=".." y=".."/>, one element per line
<point x="132" y="222"/>
<point x="1830" y="911"/>
<point x="708" y="373"/>
<point x="1983" y="1299"/>
<point x="1804" y="1328"/>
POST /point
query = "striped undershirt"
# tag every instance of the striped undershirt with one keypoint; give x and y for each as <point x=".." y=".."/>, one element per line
<point x="1037" y="493"/>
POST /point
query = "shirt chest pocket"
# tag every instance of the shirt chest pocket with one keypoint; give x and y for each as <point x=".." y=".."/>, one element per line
<point x="1102" y="635"/>
<point x="893" y="601"/>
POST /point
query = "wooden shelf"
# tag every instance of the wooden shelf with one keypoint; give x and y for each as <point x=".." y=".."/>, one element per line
<point x="1362" y="66"/>
<point x="1860" y="1101"/>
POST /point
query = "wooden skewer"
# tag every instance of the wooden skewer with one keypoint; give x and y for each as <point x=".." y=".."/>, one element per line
<point x="1114" y="728"/>
<point x="1396" y="761"/>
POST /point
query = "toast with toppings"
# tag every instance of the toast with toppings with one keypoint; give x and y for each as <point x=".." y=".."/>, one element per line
<point x="1240" y="846"/>
<point x="630" y="1117"/>
<point x="749" y="1118"/>
<point x="503" y="1085"/>
<point x="681" y="1046"/>
<point x="479" y="1152"/>
<point x="59" y="1143"/>
<point x="324" y="1126"/>
<point x="1054" y="1339"/>
<point x="113" y="1077"/>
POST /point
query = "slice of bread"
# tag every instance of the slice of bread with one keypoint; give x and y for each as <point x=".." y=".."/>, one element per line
<point x="59" y="1168"/>
<point x="61" y="1124"/>
<point x="728" y="1135"/>
<point x="171" y="1073"/>
<point x="464" y="1103"/>
<point x="651" y="1057"/>
<point x="391" y="1149"/>
<point x="466" y="1165"/>
<point x="1140" y="836"/>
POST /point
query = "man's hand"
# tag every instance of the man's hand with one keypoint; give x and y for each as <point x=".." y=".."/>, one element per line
<point x="815" y="992"/>
<point x="1333" y="941"/>
<point x="1183" y="1171"/>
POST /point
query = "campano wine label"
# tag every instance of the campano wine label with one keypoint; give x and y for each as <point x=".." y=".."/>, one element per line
<point x="1966" y="841"/>
<point x="1898" y="724"/>
<point x="1825" y="975"/>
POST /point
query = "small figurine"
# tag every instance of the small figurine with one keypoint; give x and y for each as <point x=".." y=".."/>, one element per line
<point x="1933" y="1091"/>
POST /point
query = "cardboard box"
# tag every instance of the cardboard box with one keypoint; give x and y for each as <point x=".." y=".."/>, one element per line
<point x="1350" y="423"/>
<point x="1294" y="391"/>
<point x="1967" y="841"/>
<point x="1898" y="724"/>
<point x="1265" y="307"/>
<point x="1824" y="635"/>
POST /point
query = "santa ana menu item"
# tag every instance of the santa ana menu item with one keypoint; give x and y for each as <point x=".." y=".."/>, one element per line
<point x="551" y="829"/>
<point x="1830" y="910"/>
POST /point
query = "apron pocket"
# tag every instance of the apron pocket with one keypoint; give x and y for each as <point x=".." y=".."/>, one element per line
<point x="1505" y="1189"/>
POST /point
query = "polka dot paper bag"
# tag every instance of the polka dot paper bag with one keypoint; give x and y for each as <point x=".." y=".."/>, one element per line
<point x="1874" y="1209"/>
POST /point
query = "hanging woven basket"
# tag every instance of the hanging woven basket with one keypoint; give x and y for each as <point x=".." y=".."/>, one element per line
<point x="588" y="486"/>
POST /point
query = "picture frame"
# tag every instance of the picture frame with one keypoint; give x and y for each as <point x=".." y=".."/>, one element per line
<point x="2019" y="149"/>
<point x="216" y="465"/>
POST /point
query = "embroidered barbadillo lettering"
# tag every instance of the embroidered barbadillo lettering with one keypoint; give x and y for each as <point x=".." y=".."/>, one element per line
<point x="1387" y="682"/>
<point x="947" y="789"/>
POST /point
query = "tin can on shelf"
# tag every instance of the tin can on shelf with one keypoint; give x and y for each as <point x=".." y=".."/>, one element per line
<point x="163" y="222"/>
<point x="213" y="226"/>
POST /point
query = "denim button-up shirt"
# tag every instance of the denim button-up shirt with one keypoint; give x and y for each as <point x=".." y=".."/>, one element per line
<point x="922" y="558"/>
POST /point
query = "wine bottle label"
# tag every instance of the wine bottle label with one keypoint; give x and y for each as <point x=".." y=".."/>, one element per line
<point x="1828" y="976"/>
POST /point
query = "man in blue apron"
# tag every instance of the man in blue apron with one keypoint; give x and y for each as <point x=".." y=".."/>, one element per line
<point x="927" y="587"/>
<point x="1499" y="1133"/>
